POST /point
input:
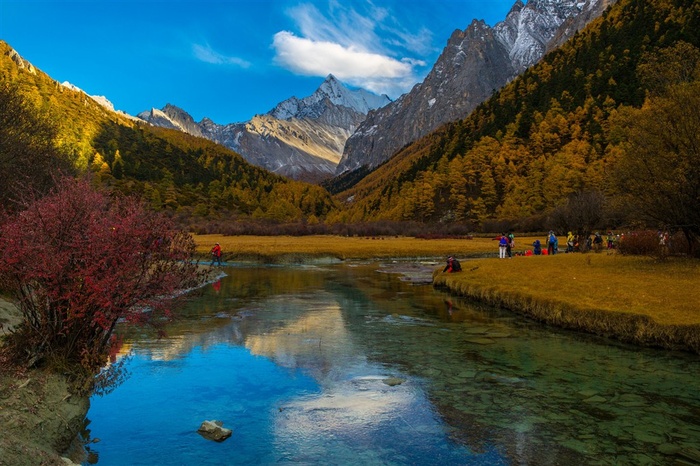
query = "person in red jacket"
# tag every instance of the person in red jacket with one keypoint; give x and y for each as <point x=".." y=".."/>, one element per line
<point x="216" y="254"/>
<point x="453" y="265"/>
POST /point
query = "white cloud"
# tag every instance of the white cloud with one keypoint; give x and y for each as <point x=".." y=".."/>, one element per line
<point x="309" y="57"/>
<point x="361" y="48"/>
<point x="208" y="55"/>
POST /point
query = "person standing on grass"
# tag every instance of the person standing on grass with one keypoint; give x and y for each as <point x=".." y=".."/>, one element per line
<point x="511" y="244"/>
<point x="502" y="246"/>
<point x="570" y="242"/>
<point x="598" y="242"/>
<point x="216" y="255"/>
<point x="611" y="240"/>
<point x="552" y="243"/>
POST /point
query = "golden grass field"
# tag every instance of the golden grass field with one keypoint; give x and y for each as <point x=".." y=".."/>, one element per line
<point x="274" y="248"/>
<point x="636" y="299"/>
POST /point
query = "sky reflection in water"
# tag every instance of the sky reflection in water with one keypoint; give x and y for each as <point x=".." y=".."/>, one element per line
<point x="295" y="359"/>
<point x="281" y="370"/>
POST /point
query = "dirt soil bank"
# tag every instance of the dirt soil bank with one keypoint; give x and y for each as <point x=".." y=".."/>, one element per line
<point x="39" y="418"/>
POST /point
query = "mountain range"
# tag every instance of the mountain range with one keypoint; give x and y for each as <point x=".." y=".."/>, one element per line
<point x="302" y="139"/>
<point x="473" y="65"/>
<point x="551" y="132"/>
<point x="546" y="140"/>
<point x="169" y="169"/>
<point x="336" y="130"/>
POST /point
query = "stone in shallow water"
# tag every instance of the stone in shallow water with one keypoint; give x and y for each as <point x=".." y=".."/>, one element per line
<point x="647" y="436"/>
<point x="467" y="374"/>
<point x="392" y="381"/>
<point x="214" y="430"/>
<point x="668" y="449"/>
<point x="476" y="330"/>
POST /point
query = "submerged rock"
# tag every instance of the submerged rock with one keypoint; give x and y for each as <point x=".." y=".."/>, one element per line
<point x="214" y="430"/>
<point x="392" y="381"/>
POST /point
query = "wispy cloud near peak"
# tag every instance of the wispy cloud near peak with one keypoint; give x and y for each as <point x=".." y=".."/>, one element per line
<point x="207" y="54"/>
<point x="363" y="48"/>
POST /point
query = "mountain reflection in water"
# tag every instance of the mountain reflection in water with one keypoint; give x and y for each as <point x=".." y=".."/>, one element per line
<point x="296" y="360"/>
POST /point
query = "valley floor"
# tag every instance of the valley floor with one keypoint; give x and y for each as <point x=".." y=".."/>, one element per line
<point x="632" y="299"/>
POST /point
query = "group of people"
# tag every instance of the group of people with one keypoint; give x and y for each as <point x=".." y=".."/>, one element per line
<point x="506" y="243"/>
<point x="573" y="243"/>
<point x="551" y="241"/>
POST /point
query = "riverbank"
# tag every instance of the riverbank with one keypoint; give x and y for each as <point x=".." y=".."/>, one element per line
<point x="632" y="299"/>
<point x="39" y="417"/>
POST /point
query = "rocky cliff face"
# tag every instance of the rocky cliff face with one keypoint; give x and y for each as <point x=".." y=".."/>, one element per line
<point x="475" y="63"/>
<point x="302" y="139"/>
<point x="590" y="11"/>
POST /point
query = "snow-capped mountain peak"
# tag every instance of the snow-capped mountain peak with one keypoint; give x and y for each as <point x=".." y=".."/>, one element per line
<point x="360" y="100"/>
<point x="474" y="63"/>
<point x="299" y="138"/>
<point x="100" y="99"/>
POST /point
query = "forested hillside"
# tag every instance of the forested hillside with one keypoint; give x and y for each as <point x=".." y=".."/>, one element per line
<point x="549" y="136"/>
<point x="171" y="170"/>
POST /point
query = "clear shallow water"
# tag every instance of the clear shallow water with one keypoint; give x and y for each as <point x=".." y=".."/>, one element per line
<point x="296" y="361"/>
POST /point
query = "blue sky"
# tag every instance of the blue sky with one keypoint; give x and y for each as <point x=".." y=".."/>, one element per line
<point x="231" y="59"/>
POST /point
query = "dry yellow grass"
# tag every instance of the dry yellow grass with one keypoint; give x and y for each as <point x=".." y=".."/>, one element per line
<point x="274" y="248"/>
<point x="631" y="298"/>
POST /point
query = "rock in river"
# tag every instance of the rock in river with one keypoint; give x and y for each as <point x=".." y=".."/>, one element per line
<point x="214" y="430"/>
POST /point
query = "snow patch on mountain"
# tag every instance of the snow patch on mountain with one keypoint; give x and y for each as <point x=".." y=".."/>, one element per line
<point x="360" y="100"/>
<point x="100" y="99"/>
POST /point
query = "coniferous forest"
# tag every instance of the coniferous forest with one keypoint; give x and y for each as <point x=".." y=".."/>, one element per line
<point x="562" y="131"/>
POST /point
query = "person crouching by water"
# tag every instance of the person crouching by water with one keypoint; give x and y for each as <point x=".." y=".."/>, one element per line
<point x="453" y="265"/>
<point x="216" y="255"/>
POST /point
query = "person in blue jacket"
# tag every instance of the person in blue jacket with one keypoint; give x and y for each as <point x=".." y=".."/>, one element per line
<point x="537" y="247"/>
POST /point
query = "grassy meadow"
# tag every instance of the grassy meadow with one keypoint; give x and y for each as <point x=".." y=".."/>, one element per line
<point x="286" y="248"/>
<point x="634" y="299"/>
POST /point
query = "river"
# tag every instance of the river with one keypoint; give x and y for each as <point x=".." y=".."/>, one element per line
<point x="366" y="363"/>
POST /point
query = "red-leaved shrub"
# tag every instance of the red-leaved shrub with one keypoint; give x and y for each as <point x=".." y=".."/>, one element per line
<point x="77" y="261"/>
